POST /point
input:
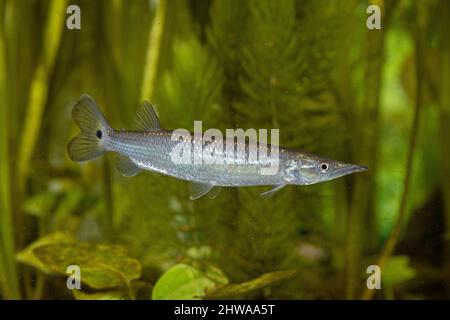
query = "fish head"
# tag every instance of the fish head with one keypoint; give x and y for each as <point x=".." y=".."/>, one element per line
<point x="309" y="169"/>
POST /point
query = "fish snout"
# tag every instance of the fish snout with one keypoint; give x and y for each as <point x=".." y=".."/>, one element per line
<point x="346" y="169"/>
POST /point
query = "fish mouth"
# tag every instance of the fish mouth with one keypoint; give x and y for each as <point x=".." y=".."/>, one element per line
<point x="347" y="169"/>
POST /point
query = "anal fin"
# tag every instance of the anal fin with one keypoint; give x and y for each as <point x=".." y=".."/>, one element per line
<point x="127" y="167"/>
<point x="214" y="192"/>
<point x="198" y="190"/>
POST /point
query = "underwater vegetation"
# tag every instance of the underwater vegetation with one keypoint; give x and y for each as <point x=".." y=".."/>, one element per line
<point x="312" y="68"/>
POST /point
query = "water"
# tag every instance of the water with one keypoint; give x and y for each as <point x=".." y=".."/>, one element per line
<point x="312" y="69"/>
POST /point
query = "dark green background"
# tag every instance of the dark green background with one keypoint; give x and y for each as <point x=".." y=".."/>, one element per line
<point x="310" y="68"/>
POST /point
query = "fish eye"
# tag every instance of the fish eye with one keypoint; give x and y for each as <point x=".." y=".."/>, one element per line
<point x="324" y="167"/>
<point x="99" y="134"/>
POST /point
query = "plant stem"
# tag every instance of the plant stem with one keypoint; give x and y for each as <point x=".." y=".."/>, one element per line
<point x="9" y="282"/>
<point x="153" y="52"/>
<point x="366" y="149"/>
<point x="401" y="215"/>
<point x="37" y="100"/>
<point x="365" y="152"/>
<point x="38" y="94"/>
<point x="445" y="118"/>
<point x="340" y="210"/>
<point x="109" y="204"/>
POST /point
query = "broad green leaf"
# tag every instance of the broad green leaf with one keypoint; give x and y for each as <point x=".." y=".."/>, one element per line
<point x="28" y="257"/>
<point x="102" y="266"/>
<point x="40" y="204"/>
<point x="216" y="275"/>
<point x="397" y="270"/>
<point x="245" y="287"/>
<point x="181" y="282"/>
<point x="103" y="295"/>
<point x="209" y="270"/>
<point x="66" y="206"/>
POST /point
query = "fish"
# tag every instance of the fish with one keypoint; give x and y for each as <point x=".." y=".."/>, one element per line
<point x="149" y="147"/>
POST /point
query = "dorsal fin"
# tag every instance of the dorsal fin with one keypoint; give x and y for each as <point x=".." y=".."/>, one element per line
<point x="146" y="118"/>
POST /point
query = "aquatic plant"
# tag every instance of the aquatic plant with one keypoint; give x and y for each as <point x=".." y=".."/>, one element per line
<point x="311" y="68"/>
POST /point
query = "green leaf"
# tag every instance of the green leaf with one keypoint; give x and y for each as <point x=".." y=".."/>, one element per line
<point x="216" y="275"/>
<point x="102" y="266"/>
<point x="266" y="279"/>
<point x="397" y="271"/>
<point x="28" y="257"/>
<point x="40" y="204"/>
<point x="181" y="282"/>
<point x="103" y="295"/>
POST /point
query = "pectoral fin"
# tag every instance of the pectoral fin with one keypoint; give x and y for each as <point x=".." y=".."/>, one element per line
<point x="198" y="190"/>
<point x="127" y="167"/>
<point x="271" y="192"/>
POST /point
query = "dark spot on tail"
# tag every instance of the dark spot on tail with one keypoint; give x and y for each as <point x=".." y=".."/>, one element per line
<point x="99" y="134"/>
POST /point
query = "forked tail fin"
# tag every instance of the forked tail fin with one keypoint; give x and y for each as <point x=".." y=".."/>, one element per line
<point x="90" y="143"/>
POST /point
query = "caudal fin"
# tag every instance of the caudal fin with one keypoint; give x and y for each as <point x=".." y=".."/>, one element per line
<point x="89" y="144"/>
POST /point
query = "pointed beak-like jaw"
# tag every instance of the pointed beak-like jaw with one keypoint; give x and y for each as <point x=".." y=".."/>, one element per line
<point x="345" y="169"/>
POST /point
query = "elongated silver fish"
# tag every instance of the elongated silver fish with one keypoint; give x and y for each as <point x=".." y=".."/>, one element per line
<point x="149" y="147"/>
